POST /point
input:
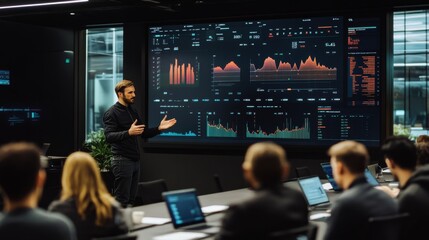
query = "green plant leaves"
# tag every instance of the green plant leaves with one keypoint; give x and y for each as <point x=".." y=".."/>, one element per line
<point x="99" y="149"/>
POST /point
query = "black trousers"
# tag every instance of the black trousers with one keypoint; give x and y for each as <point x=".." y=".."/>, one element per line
<point x="126" y="173"/>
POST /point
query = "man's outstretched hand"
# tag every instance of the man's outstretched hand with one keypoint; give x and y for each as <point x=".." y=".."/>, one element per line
<point x="136" y="129"/>
<point x="165" y="124"/>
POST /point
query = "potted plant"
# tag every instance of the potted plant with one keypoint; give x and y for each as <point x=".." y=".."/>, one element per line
<point x="96" y="145"/>
<point x="99" y="149"/>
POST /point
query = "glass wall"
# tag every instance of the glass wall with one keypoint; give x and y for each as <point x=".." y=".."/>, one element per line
<point x="104" y="69"/>
<point x="410" y="82"/>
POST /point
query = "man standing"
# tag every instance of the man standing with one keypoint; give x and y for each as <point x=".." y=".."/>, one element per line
<point x="274" y="207"/>
<point x="22" y="177"/>
<point x="359" y="201"/>
<point x="122" y="126"/>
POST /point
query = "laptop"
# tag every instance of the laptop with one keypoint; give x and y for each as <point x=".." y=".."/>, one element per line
<point x="185" y="211"/>
<point x="371" y="178"/>
<point x="313" y="191"/>
<point x="327" y="169"/>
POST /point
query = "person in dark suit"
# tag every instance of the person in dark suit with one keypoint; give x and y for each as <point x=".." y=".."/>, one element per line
<point x="274" y="207"/>
<point x="86" y="201"/>
<point x="359" y="201"/>
<point x="401" y="157"/>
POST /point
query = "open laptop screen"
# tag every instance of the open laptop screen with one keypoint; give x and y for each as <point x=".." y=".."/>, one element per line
<point x="313" y="190"/>
<point x="370" y="178"/>
<point x="184" y="207"/>
<point x="327" y="169"/>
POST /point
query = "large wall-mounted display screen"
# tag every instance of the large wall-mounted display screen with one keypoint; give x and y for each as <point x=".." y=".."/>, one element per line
<point x="301" y="81"/>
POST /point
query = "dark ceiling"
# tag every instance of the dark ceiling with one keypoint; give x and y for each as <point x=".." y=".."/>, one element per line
<point x="118" y="11"/>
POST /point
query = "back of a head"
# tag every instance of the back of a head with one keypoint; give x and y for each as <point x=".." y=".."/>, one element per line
<point x="20" y="163"/>
<point x="422" y="138"/>
<point x="266" y="160"/>
<point x="401" y="150"/>
<point x="81" y="175"/>
<point x="422" y="153"/>
<point x="352" y="154"/>
<point x="82" y="181"/>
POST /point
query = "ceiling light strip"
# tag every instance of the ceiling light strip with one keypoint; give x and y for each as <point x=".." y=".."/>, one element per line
<point x="42" y="4"/>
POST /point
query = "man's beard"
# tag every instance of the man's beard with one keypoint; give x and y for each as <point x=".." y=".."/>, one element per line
<point x="129" y="101"/>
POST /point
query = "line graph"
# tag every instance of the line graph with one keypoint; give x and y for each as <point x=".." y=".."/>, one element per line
<point x="309" y="69"/>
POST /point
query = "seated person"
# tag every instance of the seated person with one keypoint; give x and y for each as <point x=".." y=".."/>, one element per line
<point x="359" y="200"/>
<point x="21" y="180"/>
<point x="401" y="158"/>
<point x="422" y="138"/>
<point x="86" y="201"/>
<point x="422" y="153"/>
<point x="274" y="207"/>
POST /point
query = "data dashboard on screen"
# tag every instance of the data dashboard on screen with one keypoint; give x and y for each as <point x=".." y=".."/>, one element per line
<point x="297" y="81"/>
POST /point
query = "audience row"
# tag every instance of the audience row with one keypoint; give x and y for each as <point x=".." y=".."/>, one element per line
<point x="86" y="209"/>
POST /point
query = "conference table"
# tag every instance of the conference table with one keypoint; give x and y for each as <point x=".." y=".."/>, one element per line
<point x="159" y="210"/>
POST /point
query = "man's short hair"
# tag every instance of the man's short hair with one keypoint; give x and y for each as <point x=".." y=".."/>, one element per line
<point x="401" y="150"/>
<point x="20" y="163"/>
<point x="266" y="160"/>
<point x="354" y="155"/>
<point x="120" y="86"/>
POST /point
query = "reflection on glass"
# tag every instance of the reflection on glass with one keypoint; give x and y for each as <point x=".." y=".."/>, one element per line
<point x="104" y="58"/>
<point x="410" y="82"/>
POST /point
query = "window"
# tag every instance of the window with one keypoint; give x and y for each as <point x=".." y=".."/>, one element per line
<point x="104" y="69"/>
<point x="410" y="82"/>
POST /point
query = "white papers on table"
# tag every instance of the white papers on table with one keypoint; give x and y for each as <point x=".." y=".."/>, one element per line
<point x="181" y="236"/>
<point x="319" y="215"/>
<point x="327" y="186"/>
<point x="155" y="220"/>
<point x="213" y="208"/>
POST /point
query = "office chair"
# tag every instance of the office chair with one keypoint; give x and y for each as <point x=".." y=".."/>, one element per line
<point x="307" y="232"/>
<point x="386" y="227"/>
<point x="150" y="192"/>
<point x="302" y="171"/>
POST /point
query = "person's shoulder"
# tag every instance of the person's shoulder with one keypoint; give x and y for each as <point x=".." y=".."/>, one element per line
<point x="61" y="205"/>
<point x="413" y="192"/>
<point x="51" y="218"/>
<point x="111" y="108"/>
<point x="59" y="224"/>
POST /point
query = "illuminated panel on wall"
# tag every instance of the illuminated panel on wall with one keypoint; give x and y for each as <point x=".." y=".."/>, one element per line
<point x="300" y="81"/>
<point x="4" y="77"/>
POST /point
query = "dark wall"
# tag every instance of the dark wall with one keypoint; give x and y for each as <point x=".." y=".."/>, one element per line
<point x="40" y="61"/>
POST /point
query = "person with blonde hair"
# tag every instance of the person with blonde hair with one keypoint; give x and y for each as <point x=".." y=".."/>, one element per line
<point x="86" y="201"/>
